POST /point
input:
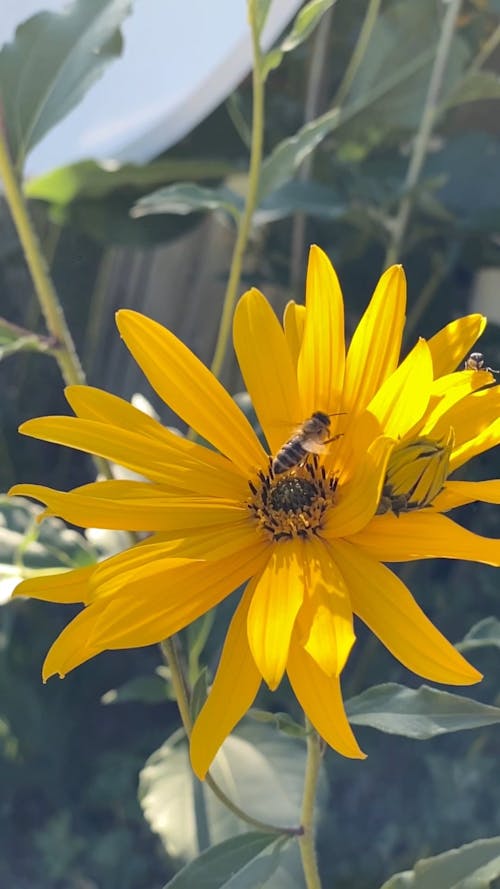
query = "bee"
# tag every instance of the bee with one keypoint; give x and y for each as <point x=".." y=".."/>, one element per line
<point x="475" y="361"/>
<point x="310" y="438"/>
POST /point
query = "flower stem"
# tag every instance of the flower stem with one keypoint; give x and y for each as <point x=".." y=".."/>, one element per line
<point x="422" y="139"/>
<point x="306" y="840"/>
<point x="171" y="654"/>
<point x="251" y="197"/>
<point x="64" y="349"/>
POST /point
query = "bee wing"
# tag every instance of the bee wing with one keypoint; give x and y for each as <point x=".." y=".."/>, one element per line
<point x="313" y="446"/>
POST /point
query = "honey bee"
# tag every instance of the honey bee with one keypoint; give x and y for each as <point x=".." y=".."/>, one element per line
<point x="475" y="361"/>
<point x="310" y="438"/>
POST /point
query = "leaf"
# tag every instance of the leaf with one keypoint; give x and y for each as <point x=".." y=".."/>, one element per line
<point x="262" y="8"/>
<point x="482" y="634"/>
<point x="312" y="198"/>
<point x="477" y="86"/>
<point x="261" y="771"/>
<point x="184" y="198"/>
<point x="304" y="24"/>
<point x="228" y="864"/>
<point x="418" y="713"/>
<point x="283" y="722"/>
<point x="50" y="65"/>
<point x="89" y="179"/>
<point x="473" y="866"/>
<point x="143" y="689"/>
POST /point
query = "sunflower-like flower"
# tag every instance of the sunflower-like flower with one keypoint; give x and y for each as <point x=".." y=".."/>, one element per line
<point x="297" y="523"/>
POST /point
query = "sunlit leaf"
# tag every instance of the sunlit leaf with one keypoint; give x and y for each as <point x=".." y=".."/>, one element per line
<point x="305" y="22"/>
<point x="481" y="635"/>
<point x="231" y="864"/>
<point x="53" y="60"/>
<point x="89" y="179"/>
<point x="418" y="713"/>
<point x="184" y="198"/>
<point x="476" y="87"/>
<point x="474" y="866"/>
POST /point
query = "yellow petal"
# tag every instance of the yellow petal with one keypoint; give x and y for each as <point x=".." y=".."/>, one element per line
<point x="266" y="366"/>
<point x="133" y="506"/>
<point x="168" y="458"/>
<point x="451" y="344"/>
<point x="488" y="438"/>
<point x="71" y="647"/>
<point x="359" y="496"/>
<point x="164" y="597"/>
<point x="459" y="493"/>
<point x="234" y="689"/>
<point x="374" y="350"/>
<point x="294" y="320"/>
<point x="65" y="587"/>
<point x="190" y="389"/>
<point x="424" y="535"/>
<point x="448" y="391"/>
<point x="402" y="399"/>
<point x="385" y="604"/>
<point x="324" y="623"/>
<point x="276" y="599"/>
<point x="322" y="355"/>
<point x="321" y="699"/>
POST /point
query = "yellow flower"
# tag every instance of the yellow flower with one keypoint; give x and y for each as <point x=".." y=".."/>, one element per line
<point x="305" y="539"/>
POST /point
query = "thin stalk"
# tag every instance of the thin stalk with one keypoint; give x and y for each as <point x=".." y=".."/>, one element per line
<point x="64" y="349"/>
<point x="251" y="197"/>
<point x="170" y="651"/>
<point x="306" y="840"/>
<point x="422" y="140"/>
<point x="359" y="50"/>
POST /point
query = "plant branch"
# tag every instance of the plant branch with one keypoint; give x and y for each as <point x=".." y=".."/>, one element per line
<point x="306" y="840"/>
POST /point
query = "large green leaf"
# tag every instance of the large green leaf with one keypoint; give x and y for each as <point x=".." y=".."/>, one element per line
<point x="233" y="864"/>
<point x="259" y="769"/>
<point x="91" y="180"/>
<point x="474" y="866"/>
<point x="53" y="60"/>
<point x="418" y="713"/>
<point x="186" y="197"/>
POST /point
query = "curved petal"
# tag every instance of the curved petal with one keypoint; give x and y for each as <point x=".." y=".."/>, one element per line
<point x="470" y="417"/>
<point x="321" y="361"/>
<point x="267" y="368"/>
<point x="167" y="595"/>
<point x="324" y="623"/>
<point x="173" y="461"/>
<point x="190" y="389"/>
<point x="277" y="597"/>
<point x="459" y="493"/>
<point x="359" y="496"/>
<point x="321" y="699"/>
<point x="72" y="648"/>
<point x="233" y="691"/>
<point x="66" y="587"/>
<point x="451" y="344"/>
<point x="449" y="391"/>
<point x="402" y="399"/>
<point x="488" y="438"/>
<point x="385" y="605"/>
<point x="424" y="535"/>
<point x="125" y="505"/>
<point x="374" y="350"/>
<point x="294" y="319"/>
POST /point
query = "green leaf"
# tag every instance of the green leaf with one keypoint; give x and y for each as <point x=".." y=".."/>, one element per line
<point x="52" y="62"/>
<point x="262" y="8"/>
<point x="481" y="635"/>
<point x="473" y="866"/>
<point x="283" y="722"/>
<point x="305" y="22"/>
<point x="227" y="865"/>
<point x="418" y="713"/>
<point x="477" y="86"/>
<point x="295" y="196"/>
<point x="143" y="689"/>
<point x="18" y="339"/>
<point x="184" y="198"/>
<point x="89" y="179"/>
<point x="270" y="775"/>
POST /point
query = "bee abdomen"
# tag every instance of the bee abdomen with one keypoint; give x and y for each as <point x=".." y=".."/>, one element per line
<point x="288" y="456"/>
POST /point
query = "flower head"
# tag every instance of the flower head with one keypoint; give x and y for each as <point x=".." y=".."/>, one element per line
<point x="299" y="522"/>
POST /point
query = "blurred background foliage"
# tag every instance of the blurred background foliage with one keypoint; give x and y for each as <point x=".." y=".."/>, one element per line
<point x="71" y="752"/>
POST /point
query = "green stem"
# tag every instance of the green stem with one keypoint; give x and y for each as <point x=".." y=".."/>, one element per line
<point x="358" y="53"/>
<point x="64" y="349"/>
<point x="306" y="840"/>
<point x="170" y="651"/>
<point x="422" y="140"/>
<point x="251" y="197"/>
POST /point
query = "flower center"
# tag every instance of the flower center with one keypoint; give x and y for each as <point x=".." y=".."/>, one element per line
<point x="293" y="504"/>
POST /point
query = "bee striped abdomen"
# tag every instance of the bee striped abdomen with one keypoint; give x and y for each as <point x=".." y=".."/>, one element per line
<point x="289" y="456"/>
